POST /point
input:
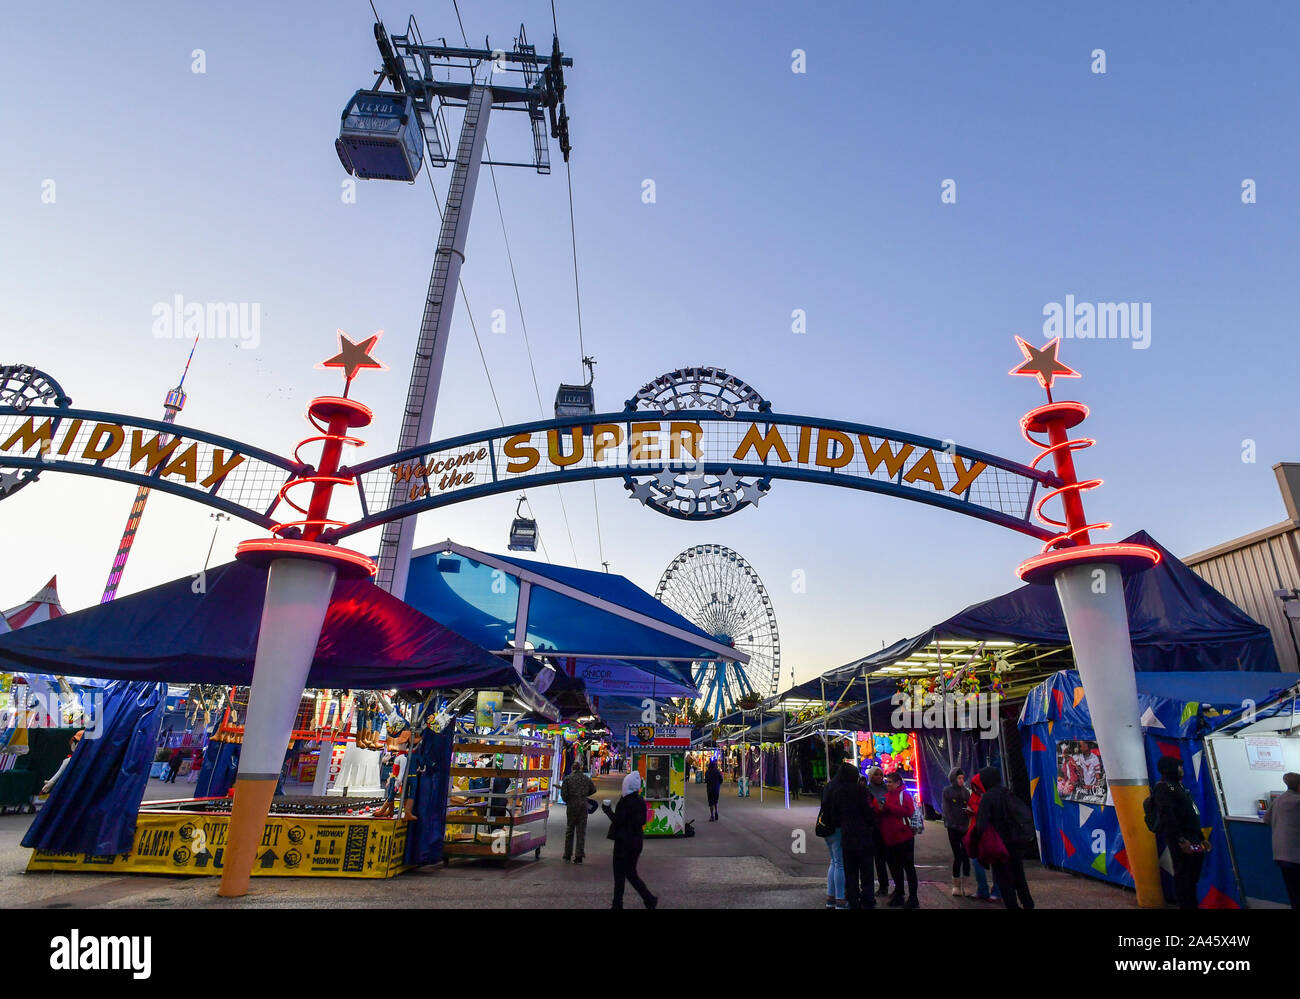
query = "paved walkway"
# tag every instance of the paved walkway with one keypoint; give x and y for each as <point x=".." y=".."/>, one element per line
<point x="759" y="855"/>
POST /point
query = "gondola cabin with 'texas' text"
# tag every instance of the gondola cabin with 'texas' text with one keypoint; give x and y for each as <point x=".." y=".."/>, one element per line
<point x="379" y="138"/>
<point x="659" y="755"/>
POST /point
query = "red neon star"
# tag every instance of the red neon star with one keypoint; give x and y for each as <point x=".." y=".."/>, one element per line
<point x="352" y="357"/>
<point x="1041" y="363"/>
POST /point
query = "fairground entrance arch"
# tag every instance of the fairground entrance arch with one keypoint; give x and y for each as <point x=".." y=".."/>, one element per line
<point x="695" y="443"/>
<point x="700" y="460"/>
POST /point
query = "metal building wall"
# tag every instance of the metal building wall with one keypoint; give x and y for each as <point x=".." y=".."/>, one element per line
<point x="1248" y="571"/>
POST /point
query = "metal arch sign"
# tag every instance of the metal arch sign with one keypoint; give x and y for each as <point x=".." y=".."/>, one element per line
<point x="238" y="479"/>
<point x="699" y="443"/>
<point x="688" y="463"/>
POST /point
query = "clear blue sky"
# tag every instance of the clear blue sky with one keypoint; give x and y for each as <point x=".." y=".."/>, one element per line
<point x="775" y="191"/>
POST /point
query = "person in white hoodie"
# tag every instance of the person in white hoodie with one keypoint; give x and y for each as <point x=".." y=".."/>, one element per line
<point x="627" y="830"/>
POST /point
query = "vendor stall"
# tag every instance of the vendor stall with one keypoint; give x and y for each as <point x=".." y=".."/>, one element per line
<point x="1247" y="757"/>
<point x="1073" y="810"/>
<point x="500" y="797"/>
<point x="305" y="837"/>
<point x="659" y="756"/>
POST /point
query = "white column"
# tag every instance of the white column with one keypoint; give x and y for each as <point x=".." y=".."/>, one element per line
<point x="298" y="593"/>
<point x="297" y="597"/>
<point x="1092" y="598"/>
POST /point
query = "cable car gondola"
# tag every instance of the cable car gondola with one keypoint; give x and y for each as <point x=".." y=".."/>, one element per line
<point x="574" y="402"/>
<point x="523" y="531"/>
<point x="380" y="137"/>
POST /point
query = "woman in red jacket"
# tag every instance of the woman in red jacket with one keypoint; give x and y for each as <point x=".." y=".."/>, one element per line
<point x="900" y="843"/>
<point x="981" y="878"/>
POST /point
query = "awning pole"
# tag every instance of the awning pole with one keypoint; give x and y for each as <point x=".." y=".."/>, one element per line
<point x="866" y="683"/>
<point x="785" y="761"/>
<point x="826" y="745"/>
<point x="521" y="626"/>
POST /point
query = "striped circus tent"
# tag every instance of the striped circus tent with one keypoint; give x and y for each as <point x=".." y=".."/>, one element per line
<point x="43" y="607"/>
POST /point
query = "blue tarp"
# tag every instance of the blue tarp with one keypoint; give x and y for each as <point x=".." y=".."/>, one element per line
<point x="92" y="808"/>
<point x="480" y="601"/>
<point x="370" y="639"/>
<point x="1178" y="622"/>
<point x="1178" y="709"/>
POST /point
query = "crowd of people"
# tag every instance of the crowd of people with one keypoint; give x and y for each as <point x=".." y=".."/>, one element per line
<point x="870" y="824"/>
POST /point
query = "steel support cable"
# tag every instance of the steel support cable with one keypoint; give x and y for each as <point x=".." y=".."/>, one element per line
<point x="564" y="510"/>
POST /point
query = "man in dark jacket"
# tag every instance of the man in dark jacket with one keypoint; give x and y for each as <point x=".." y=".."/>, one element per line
<point x="851" y="813"/>
<point x="998" y="809"/>
<point x="174" y="765"/>
<point x="1178" y="821"/>
<point x="956" y="820"/>
<point x="575" y="790"/>
<point x="713" y="785"/>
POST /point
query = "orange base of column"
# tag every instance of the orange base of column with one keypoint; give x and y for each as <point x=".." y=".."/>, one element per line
<point x="1139" y="843"/>
<point x="247" y="821"/>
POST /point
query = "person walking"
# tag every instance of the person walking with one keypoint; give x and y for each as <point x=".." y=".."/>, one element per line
<point x="982" y="893"/>
<point x="174" y="765"/>
<point x="627" y="830"/>
<point x="854" y="819"/>
<point x="1283" y="817"/>
<point x="1179" y="822"/>
<point x="900" y="840"/>
<point x="575" y="789"/>
<point x="713" y="785"/>
<point x="876" y="788"/>
<point x="835" y="898"/>
<point x="1003" y="812"/>
<point x="956" y="820"/>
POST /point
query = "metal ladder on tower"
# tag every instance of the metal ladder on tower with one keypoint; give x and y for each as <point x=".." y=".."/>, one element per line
<point x="417" y="417"/>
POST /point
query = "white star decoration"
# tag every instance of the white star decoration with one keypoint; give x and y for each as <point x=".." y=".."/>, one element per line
<point x="643" y="491"/>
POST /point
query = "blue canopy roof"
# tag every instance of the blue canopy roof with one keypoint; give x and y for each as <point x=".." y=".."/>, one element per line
<point x="596" y="626"/>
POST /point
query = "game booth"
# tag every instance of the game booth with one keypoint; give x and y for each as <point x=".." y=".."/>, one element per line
<point x="658" y="754"/>
<point x="1183" y="716"/>
<point x="1247" y="754"/>
<point x="479" y="790"/>
<point x="1007" y="646"/>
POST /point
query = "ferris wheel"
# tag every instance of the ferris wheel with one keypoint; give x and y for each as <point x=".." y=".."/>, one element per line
<point x="714" y="588"/>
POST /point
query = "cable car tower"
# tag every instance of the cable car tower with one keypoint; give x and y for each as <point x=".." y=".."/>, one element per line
<point x="376" y="140"/>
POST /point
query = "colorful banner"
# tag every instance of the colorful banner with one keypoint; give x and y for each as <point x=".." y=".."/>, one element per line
<point x="292" y="846"/>
<point x="658" y="736"/>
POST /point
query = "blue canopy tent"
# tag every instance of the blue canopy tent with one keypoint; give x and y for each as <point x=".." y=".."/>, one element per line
<point x="597" y="627"/>
<point x="1077" y="827"/>
<point x="1177" y="622"/>
<point x="183" y="632"/>
<point x="370" y="639"/>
